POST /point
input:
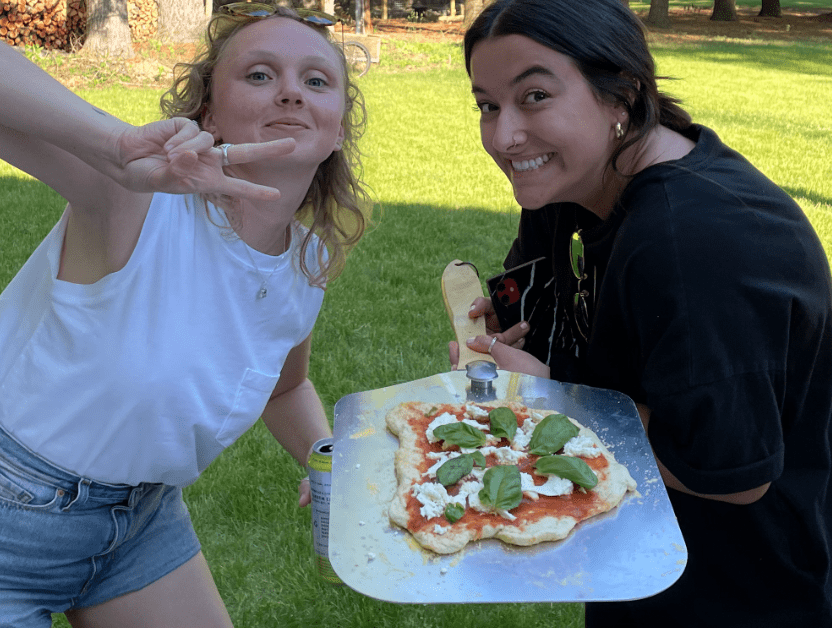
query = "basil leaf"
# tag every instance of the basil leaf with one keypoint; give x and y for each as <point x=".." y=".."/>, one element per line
<point x="461" y="434"/>
<point x="454" y="512"/>
<point x="568" y="467"/>
<point x="478" y="458"/>
<point x="453" y="470"/>
<point x="501" y="489"/>
<point x="551" y="434"/>
<point x="503" y="422"/>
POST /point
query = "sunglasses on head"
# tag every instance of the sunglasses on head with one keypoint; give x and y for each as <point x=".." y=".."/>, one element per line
<point x="260" y="9"/>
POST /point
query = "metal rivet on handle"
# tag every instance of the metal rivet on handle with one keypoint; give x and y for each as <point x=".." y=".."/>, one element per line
<point x="481" y="373"/>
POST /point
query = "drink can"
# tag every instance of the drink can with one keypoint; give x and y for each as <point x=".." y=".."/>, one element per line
<point x="320" y="486"/>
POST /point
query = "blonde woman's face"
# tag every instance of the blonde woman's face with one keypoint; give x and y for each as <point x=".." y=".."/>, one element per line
<point x="278" y="78"/>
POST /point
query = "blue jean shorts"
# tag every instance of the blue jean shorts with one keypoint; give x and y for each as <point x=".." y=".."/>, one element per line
<point x="68" y="542"/>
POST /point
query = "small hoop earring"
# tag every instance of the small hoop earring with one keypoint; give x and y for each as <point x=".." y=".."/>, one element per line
<point x="619" y="132"/>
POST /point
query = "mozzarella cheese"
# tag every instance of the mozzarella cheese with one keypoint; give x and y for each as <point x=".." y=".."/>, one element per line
<point x="523" y="436"/>
<point x="442" y="419"/>
<point x="581" y="446"/>
<point x="504" y="455"/>
<point x="433" y="498"/>
<point x="553" y="486"/>
<point x="476" y="411"/>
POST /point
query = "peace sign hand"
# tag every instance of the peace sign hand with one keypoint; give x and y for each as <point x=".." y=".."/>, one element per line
<point x="175" y="156"/>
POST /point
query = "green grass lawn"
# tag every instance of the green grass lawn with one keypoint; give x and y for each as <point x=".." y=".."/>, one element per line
<point x="636" y="5"/>
<point x="383" y="322"/>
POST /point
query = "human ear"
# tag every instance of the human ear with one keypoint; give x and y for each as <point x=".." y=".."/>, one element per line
<point x="339" y="142"/>
<point x="207" y="123"/>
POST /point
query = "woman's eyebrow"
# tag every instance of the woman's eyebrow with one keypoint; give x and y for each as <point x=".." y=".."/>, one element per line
<point x="532" y="71"/>
<point x="535" y="69"/>
<point x="257" y="54"/>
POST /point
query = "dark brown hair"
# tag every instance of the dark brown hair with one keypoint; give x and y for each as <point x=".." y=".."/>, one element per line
<point x="606" y="42"/>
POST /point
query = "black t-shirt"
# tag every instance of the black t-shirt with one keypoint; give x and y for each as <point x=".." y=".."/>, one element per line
<point x="714" y="308"/>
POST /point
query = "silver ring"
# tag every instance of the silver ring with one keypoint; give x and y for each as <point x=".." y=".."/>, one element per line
<point x="224" y="148"/>
<point x="491" y="346"/>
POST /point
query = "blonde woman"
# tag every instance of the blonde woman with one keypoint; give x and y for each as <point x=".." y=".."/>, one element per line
<point x="170" y="307"/>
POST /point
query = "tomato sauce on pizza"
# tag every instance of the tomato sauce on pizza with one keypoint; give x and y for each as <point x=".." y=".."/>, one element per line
<point x="472" y="471"/>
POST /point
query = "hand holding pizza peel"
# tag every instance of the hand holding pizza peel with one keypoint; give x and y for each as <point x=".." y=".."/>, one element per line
<point x="475" y="326"/>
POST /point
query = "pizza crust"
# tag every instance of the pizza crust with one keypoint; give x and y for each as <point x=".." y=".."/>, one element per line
<point x="533" y="523"/>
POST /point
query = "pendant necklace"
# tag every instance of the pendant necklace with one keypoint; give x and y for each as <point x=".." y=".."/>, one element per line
<point x="263" y="290"/>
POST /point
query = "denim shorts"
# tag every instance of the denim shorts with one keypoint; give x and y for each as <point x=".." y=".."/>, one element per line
<point x="69" y="542"/>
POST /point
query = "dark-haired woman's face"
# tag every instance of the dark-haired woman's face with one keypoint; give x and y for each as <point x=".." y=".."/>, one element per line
<point x="541" y="122"/>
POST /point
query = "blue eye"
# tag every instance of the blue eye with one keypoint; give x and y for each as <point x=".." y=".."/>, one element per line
<point x="257" y="76"/>
<point x="316" y="82"/>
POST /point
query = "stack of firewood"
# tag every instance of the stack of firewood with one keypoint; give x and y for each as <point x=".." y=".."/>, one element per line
<point x="143" y="18"/>
<point x="60" y="24"/>
<point x="39" y="23"/>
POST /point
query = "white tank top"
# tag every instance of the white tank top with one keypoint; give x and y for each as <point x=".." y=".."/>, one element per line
<point x="149" y="373"/>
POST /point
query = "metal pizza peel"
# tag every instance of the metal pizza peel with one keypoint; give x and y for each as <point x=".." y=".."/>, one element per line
<point x="634" y="551"/>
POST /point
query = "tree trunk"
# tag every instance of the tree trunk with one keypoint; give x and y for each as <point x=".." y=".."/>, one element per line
<point x="658" y="15"/>
<point x="472" y="9"/>
<point x="108" y="30"/>
<point x="770" y="8"/>
<point x="368" y="17"/>
<point x="725" y="11"/>
<point x="181" y="21"/>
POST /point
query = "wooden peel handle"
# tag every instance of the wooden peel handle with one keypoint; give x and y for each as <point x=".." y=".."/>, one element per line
<point x="460" y="286"/>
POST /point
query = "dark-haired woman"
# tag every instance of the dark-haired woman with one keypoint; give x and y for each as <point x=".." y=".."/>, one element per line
<point x="683" y="278"/>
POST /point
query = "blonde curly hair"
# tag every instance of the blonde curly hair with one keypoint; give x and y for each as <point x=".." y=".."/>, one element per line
<point x="336" y="203"/>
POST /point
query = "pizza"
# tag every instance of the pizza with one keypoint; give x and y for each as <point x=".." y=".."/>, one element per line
<point x="497" y="470"/>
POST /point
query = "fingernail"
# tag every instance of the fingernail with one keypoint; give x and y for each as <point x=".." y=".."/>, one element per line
<point x="470" y="341"/>
<point x="524" y="325"/>
<point x="471" y="309"/>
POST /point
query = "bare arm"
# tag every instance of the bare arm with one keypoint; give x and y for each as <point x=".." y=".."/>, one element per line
<point x="37" y="106"/>
<point x="106" y="168"/>
<point x="294" y="413"/>
<point x="42" y="122"/>
<point x="741" y="499"/>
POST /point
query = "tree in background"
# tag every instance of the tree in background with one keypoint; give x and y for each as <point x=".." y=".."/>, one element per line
<point x="770" y="8"/>
<point x="472" y="9"/>
<point x="725" y="11"/>
<point x="108" y="30"/>
<point x="181" y="21"/>
<point x="658" y="15"/>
